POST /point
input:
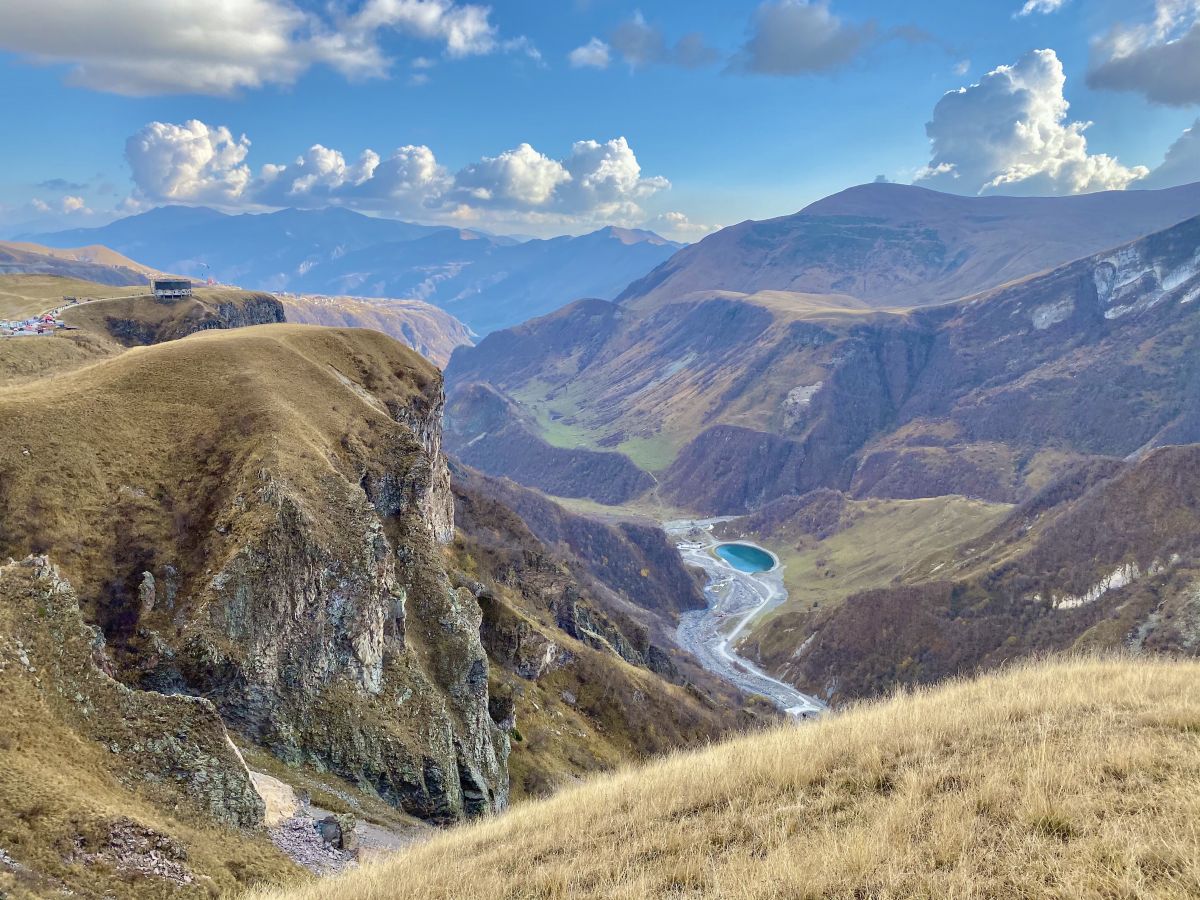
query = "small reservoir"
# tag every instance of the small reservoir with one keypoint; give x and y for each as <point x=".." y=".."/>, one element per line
<point x="745" y="558"/>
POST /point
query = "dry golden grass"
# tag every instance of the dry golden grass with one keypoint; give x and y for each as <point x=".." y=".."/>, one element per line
<point x="26" y="295"/>
<point x="1078" y="778"/>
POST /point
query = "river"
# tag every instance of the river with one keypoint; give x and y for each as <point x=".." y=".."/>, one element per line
<point x="734" y="598"/>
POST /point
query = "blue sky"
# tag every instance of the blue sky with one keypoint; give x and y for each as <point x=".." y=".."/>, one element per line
<point x="747" y="109"/>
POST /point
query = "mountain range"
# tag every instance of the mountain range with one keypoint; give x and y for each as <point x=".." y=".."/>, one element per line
<point x="486" y="281"/>
<point x="276" y="588"/>
<point x="950" y="482"/>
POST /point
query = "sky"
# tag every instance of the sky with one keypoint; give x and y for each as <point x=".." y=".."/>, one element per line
<point x="545" y="118"/>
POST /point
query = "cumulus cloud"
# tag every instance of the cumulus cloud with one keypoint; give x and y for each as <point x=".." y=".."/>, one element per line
<point x="1009" y="134"/>
<point x="797" y="37"/>
<point x="1182" y="162"/>
<point x="1041" y="6"/>
<point x="517" y="178"/>
<point x="678" y="225"/>
<point x="191" y="162"/>
<point x="195" y="162"/>
<point x="74" y="204"/>
<point x="641" y="44"/>
<point x="592" y="55"/>
<point x="1159" y="60"/>
<point x="39" y="205"/>
<point x="147" y="47"/>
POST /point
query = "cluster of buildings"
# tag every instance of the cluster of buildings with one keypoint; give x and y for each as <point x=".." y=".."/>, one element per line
<point x="163" y="289"/>
<point x="43" y="324"/>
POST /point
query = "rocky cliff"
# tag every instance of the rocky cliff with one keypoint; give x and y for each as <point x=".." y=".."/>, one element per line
<point x="108" y="790"/>
<point x="138" y="321"/>
<point x="263" y="510"/>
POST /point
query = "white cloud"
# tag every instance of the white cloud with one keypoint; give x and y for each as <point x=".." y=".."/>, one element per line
<point x="188" y="163"/>
<point x="1041" y="6"/>
<point x="592" y="55"/>
<point x="1159" y="59"/>
<point x="679" y="226"/>
<point x="71" y="204"/>
<point x="465" y="29"/>
<point x="319" y="172"/>
<point x="962" y="67"/>
<point x="607" y="178"/>
<point x="1182" y="162"/>
<point x="147" y="47"/>
<point x="796" y="37"/>
<point x="39" y="205"/>
<point x="517" y="178"/>
<point x="194" y="162"/>
<point x="1009" y="134"/>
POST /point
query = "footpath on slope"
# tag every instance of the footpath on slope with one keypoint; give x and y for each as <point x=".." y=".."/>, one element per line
<point x="734" y="598"/>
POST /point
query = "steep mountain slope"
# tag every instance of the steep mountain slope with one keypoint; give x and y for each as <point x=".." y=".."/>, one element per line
<point x="897" y="245"/>
<point x="577" y="622"/>
<point x="109" y="791"/>
<point x="486" y="281"/>
<point x="736" y="400"/>
<point x="1071" y="779"/>
<point x="1108" y="557"/>
<point x="430" y="331"/>
<point x="487" y="431"/>
<point x="255" y="516"/>
<point x="95" y="263"/>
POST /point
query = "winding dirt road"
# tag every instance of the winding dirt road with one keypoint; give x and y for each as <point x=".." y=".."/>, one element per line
<point x="734" y="598"/>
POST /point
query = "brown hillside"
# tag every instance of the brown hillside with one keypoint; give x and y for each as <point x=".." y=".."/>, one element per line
<point x="284" y="488"/>
<point x="1065" y="780"/>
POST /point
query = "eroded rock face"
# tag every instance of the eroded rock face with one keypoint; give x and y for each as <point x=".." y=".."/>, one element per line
<point x="173" y="745"/>
<point x="274" y="546"/>
<point x="331" y="634"/>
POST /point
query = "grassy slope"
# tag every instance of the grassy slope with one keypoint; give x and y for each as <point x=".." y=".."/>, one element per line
<point x="25" y="295"/>
<point x="879" y="541"/>
<point x="71" y="768"/>
<point x="156" y="427"/>
<point x="1079" y="778"/>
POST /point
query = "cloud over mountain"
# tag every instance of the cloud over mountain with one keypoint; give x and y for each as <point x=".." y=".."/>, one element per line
<point x="1010" y="134"/>
<point x="195" y="162"/>
<point x="1182" y="162"/>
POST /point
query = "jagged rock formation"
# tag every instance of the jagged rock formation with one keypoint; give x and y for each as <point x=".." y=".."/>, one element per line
<point x="285" y="489"/>
<point x="175" y="744"/>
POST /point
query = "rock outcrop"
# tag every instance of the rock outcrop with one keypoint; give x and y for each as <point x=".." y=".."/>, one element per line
<point x="268" y="537"/>
<point x="175" y="746"/>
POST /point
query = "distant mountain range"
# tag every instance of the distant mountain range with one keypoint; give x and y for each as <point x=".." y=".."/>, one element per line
<point x="488" y="282"/>
<point x="969" y="427"/>
<point x="762" y="360"/>
<point x="95" y="263"/>
<point x="898" y="245"/>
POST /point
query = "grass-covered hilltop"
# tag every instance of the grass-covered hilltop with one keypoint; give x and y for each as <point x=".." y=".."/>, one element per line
<point x="1075" y="778"/>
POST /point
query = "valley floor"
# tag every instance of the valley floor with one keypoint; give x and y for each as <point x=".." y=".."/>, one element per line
<point x="735" y="598"/>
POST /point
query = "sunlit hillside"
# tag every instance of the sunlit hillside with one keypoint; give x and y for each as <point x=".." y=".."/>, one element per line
<point x="1064" y="779"/>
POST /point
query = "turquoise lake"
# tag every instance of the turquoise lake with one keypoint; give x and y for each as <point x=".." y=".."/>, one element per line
<point x="745" y="558"/>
